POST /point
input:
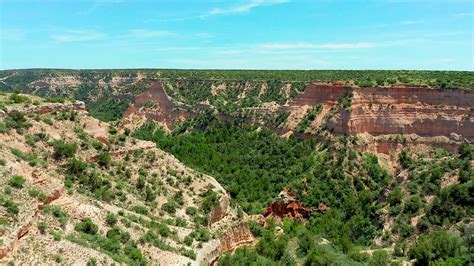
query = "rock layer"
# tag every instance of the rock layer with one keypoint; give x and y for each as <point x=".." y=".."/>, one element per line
<point x="402" y="110"/>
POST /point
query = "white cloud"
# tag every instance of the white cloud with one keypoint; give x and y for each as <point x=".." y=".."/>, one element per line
<point x="96" y="5"/>
<point x="145" y="33"/>
<point x="204" y="35"/>
<point x="303" y="45"/>
<point x="78" y="36"/>
<point x="465" y="14"/>
<point x="412" y="22"/>
<point x="243" y="8"/>
<point x="230" y="52"/>
<point x="178" y="49"/>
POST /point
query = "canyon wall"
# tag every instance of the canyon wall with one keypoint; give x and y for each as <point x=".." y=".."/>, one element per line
<point x="422" y="111"/>
<point x="159" y="106"/>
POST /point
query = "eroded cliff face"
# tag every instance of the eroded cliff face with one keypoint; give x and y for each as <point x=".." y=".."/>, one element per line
<point x="233" y="229"/>
<point x="154" y="104"/>
<point x="422" y="111"/>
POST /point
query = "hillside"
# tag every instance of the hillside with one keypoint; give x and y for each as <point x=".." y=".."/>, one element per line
<point x="77" y="190"/>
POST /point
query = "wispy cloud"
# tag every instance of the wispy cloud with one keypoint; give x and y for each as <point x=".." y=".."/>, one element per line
<point x="412" y="22"/>
<point x="465" y="14"/>
<point x="304" y="45"/>
<point x="235" y="9"/>
<point x="78" y="36"/>
<point x="403" y="22"/>
<point x="178" y="49"/>
<point x="230" y="52"/>
<point x="243" y="8"/>
<point x="96" y="5"/>
<point x="146" y="33"/>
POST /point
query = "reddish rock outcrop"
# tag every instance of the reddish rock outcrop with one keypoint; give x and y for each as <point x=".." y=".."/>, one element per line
<point x="236" y="236"/>
<point x="287" y="206"/>
<point x="401" y="110"/>
<point x="163" y="110"/>
<point x="102" y="139"/>
<point x="52" y="197"/>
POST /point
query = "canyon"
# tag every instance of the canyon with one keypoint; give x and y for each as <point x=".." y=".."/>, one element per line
<point x="405" y="110"/>
<point x="342" y="118"/>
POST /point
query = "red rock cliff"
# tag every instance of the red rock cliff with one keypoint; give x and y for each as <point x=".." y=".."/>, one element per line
<point x="403" y="110"/>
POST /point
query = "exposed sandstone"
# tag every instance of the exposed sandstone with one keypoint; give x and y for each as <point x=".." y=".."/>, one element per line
<point x="235" y="237"/>
<point x="287" y="206"/>
<point x="402" y="110"/>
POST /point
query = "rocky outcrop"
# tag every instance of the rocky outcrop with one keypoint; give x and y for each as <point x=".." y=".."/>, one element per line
<point x="287" y="206"/>
<point x="159" y="106"/>
<point x="49" y="107"/>
<point x="219" y="211"/>
<point x="25" y="228"/>
<point x="422" y="111"/>
<point x="235" y="237"/>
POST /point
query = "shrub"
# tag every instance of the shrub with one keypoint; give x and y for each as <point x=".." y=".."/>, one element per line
<point x="17" y="98"/>
<point x="33" y="192"/>
<point x="56" y="235"/>
<point x="191" y="211"/>
<point x="30" y="158"/>
<point x="76" y="167"/>
<point x="64" y="149"/>
<point x="134" y="253"/>
<point x="16" y="120"/>
<point x="56" y="211"/>
<point x="16" y="181"/>
<point x="163" y="230"/>
<point x="87" y="226"/>
<point x="395" y="196"/>
<point x="42" y="227"/>
<point x="379" y="258"/>
<point x="140" y="209"/>
<point x="188" y="240"/>
<point x="434" y="246"/>
<point x="11" y="206"/>
<point x="169" y="207"/>
<point x="104" y="159"/>
<point x="188" y="253"/>
<point x="111" y="219"/>
<point x="92" y="262"/>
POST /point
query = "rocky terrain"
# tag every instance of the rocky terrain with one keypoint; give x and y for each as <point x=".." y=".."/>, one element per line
<point x="335" y="165"/>
<point x="77" y="189"/>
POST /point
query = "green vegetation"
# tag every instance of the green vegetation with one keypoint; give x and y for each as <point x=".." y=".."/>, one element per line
<point x="11" y="206"/>
<point x="255" y="165"/>
<point x="108" y="108"/>
<point x="309" y="117"/>
<point x="16" y="120"/>
<point x="87" y="227"/>
<point x="194" y="86"/>
<point x="117" y="244"/>
<point x="252" y="166"/>
<point x="64" y="149"/>
<point x="17" y="98"/>
<point x="56" y="211"/>
<point x="42" y="227"/>
<point x="437" y="246"/>
<point x="16" y="181"/>
<point x="30" y="158"/>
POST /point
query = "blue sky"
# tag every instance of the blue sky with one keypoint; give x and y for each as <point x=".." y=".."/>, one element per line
<point x="244" y="34"/>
